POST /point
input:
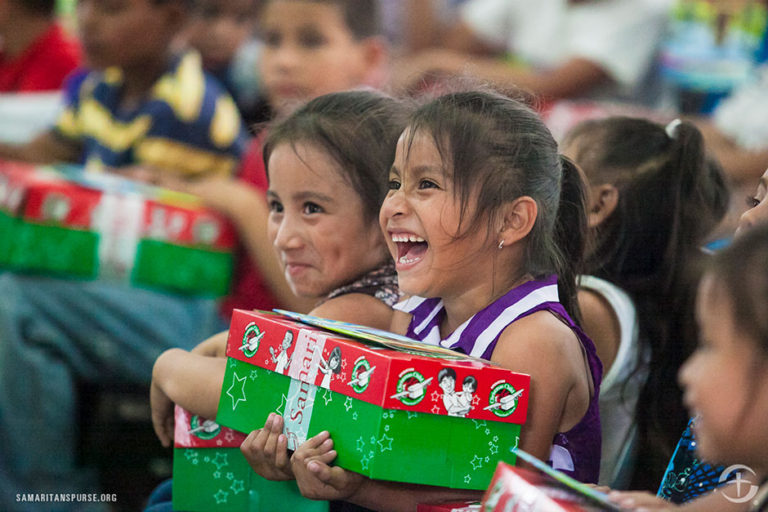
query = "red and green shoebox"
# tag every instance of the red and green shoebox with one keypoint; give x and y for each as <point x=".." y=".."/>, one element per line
<point x="62" y="221"/>
<point x="211" y="474"/>
<point x="521" y="490"/>
<point x="396" y="409"/>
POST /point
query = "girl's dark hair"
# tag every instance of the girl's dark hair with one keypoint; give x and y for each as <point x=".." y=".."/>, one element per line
<point x="741" y="269"/>
<point x="670" y="198"/>
<point x="358" y="129"/>
<point x="498" y="149"/>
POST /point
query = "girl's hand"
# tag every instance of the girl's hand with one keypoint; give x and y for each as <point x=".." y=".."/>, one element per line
<point x="162" y="414"/>
<point x="635" y="500"/>
<point x="266" y="450"/>
<point x="316" y="479"/>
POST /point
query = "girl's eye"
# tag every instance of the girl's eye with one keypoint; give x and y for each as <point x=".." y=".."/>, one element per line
<point x="275" y="206"/>
<point x="423" y="184"/>
<point x="310" y="208"/>
<point x="311" y="39"/>
<point x="272" y="39"/>
<point x="393" y="185"/>
<point x="752" y="201"/>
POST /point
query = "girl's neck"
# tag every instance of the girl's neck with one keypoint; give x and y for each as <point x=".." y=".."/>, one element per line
<point x="461" y="308"/>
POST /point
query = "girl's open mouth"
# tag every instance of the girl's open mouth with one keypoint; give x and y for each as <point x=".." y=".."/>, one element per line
<point x="410" y="248"/>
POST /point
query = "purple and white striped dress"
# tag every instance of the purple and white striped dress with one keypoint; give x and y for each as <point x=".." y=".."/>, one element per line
<point x="576" y="452"/>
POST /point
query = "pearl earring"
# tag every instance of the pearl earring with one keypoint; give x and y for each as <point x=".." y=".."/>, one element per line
<point x="501" y="244"/>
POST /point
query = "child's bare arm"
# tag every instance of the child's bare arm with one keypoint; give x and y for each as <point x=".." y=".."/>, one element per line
<point x="215" y="346"/>
<point x="44" y="148"/>
<point x="190" y="380"/>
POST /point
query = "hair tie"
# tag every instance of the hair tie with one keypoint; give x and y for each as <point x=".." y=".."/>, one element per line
<point x="672" y="128"/>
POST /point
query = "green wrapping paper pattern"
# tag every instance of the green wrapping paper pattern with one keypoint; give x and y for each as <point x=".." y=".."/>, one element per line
<point x="220" y="479"/>
<point x="54" y="249"/>
<point x="204" y="272"/>
<point x="380" y="443"/>
<point x="48" y="248"/>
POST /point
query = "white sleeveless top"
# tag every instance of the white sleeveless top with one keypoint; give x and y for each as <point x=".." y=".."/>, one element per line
<point x="620" y="388"/>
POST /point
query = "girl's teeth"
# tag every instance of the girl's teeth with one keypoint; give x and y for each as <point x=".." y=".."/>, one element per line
<point x="407" y="238"/>
<point x="404" y="260"/>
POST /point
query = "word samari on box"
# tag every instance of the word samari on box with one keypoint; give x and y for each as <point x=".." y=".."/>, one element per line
<point x="396" y="409"/>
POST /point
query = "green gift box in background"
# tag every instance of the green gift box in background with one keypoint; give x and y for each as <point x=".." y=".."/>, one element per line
<point x="61" y="221"/>
<point x="396" y="409"/>
<point x="211" y="474"/>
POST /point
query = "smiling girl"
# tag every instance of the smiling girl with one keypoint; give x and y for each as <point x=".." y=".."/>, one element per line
<point x="324" y="196"/>
<point x="485" y="222"/>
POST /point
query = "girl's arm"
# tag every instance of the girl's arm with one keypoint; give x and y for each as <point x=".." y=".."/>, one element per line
<point x="44" y="148"/>
<point x="190" y="380"/>
<point x="601" y="325"/>
<point x="543" y="347"/>
<point x="215" y="346"/>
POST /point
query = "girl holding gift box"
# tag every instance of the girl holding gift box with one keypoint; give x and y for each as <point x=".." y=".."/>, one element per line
<point x="324" y="193"/>
<point x="485" y="219"/>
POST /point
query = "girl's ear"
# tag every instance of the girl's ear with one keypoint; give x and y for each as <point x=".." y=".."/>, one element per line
<point x="603" y="200"/>
<point x="519" y="218"/>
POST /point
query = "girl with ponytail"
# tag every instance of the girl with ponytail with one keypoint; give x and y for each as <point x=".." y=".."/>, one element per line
<point x="486" y="224"/>
<point x="653" y="199"/>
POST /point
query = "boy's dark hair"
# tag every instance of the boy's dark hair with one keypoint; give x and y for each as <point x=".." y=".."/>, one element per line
<point x="361" y="16"/>
<point x="471" y="380"/>
<point x="358" y="129"/>
<point x="40" y="7"/>
<point x="742" y="270"/>
<point x="499" y="149"/>
<point x="670" y="198"/>
<point x="446" y="372"/>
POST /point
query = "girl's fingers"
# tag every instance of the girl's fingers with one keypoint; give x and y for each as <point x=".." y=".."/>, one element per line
<point x="281" y="455"/>
<point x="326" y="457"/>
<point x="316" y="441"/>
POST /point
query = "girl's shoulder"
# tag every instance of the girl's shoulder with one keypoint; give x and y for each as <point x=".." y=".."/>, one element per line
<point x="357" y="308"/>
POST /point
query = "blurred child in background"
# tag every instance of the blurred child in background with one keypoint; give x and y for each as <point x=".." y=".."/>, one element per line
<point x="654" y="198"/>
<point x="36" y="54"/>
<point x="143" y="105"/>
<point x="223" y="31"/>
